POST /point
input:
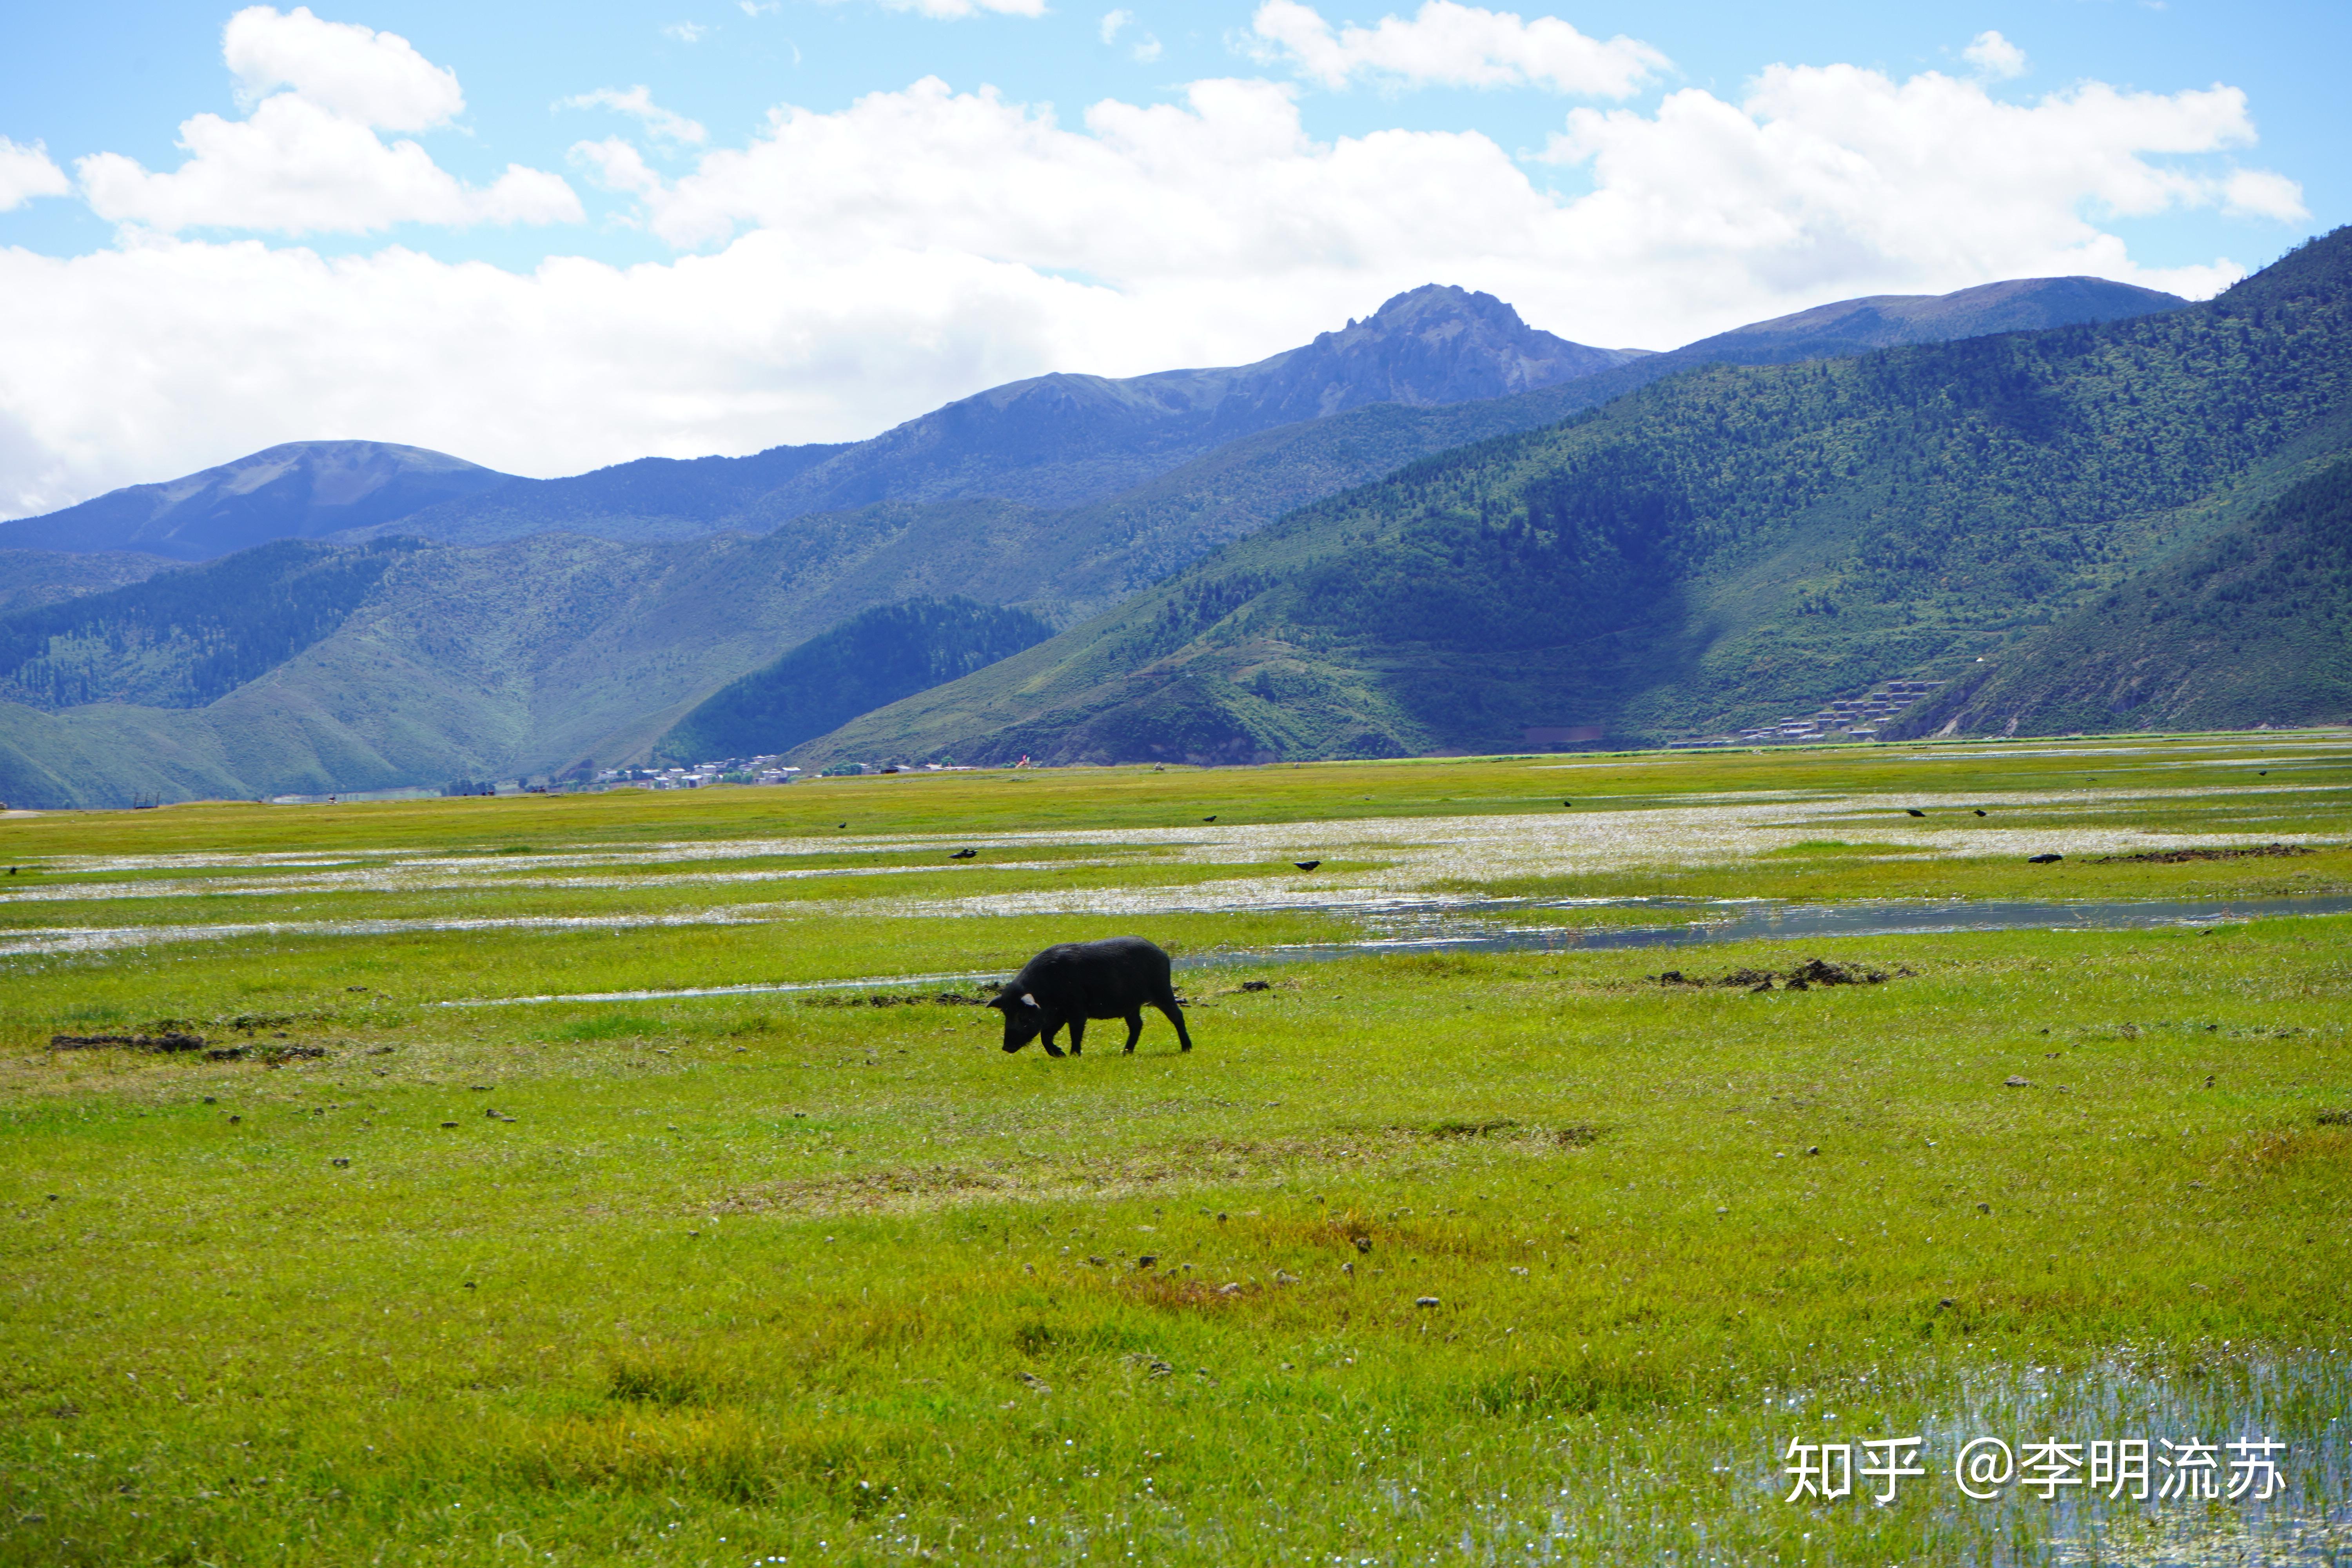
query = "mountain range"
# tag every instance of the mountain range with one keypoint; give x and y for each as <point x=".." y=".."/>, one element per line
<point x="550" y="626"/>
<point x="1738" y="542"/>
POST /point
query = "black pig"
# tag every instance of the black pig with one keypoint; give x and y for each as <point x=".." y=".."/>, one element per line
<point x="1072" y="982"/>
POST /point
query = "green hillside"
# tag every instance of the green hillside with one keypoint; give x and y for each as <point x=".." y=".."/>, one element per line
<point x="2253" y="626"/>
<point x="868" y="662"/>
<point x="1713" y="551"/>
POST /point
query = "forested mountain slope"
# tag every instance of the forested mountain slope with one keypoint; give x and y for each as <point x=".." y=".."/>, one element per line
<point x="1715" y="549"/>
<point x="870" y="659"/>
<point x="2253" y="626"/>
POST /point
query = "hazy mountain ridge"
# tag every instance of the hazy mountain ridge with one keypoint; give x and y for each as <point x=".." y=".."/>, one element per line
<point x="302" y="489"/>
<point x="1697" y="555"/>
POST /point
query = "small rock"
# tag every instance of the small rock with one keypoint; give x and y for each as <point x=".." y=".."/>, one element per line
<point x="1516" y="1268"/>
<point x="1984" y="1208"/>
<point x="1256" y="985"/>
<point x="1035" y="1381"/>
<point x="1945" y="1305"/>
<point x="445" y="1123"/>
<point x="1424" y="1301"/>
<point x="235" y="1120"/>
<point x="2014" y="1081"/>
<point x="1282" y="1279"/>
<point x="210" y="1100"/>
<point x="1146" y="1260"/>
<point x="1723" y="1208"/>
<point x="1364" y="1244"/>
<point x="1348" y="1269"/>
<point x="1096" y="1262"/>
<point x="1229" y="1289"/>
<point x="493" y="1113"/>
<point x="339" y="1162"/>
<point x="1815" y="1149"/>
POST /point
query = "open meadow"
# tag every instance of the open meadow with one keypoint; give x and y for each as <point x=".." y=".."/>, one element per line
<point x="633" y="1177"/>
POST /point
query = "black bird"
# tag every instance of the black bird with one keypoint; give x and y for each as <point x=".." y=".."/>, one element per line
<point x="1307" y="865"/>
<point x="963" y="854"/>
<point x="841" y="825"/>
<point x="2043" y="859"/>
<point x="1208" y="819"/>
<point x="1980" y="813"/>
<point x="1567" y="803"/>
<point x="2263" y="773"/>
<point x="1908" y="811"/>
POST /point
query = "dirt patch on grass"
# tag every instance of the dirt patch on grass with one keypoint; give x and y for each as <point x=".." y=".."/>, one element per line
<point x="1198" y="1162"/>
<point x="168" y="1042"/>
<point x="2182" y="857"/>
<point x="1804" y="977"/>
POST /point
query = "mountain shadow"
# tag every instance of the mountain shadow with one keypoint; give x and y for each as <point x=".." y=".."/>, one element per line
<point x="868" y="662"/>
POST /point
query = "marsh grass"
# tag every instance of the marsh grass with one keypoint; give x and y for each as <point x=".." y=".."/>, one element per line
<point x="730" y="1279"/>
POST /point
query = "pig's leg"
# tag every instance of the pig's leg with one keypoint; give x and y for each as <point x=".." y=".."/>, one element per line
<point x="1134" y="1029"/>
<point x="1078" y="1035"/>
<point x="1052" y="1028"/>
<point x="1175" y="1015"/>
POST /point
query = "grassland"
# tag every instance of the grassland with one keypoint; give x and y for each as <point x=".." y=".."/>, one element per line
<point x="825" y="1277"/>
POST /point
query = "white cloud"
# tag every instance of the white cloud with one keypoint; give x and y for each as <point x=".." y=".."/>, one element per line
<point x="759" y="7"/>
<point x="866" y="264"/>
<point x="1145" y="51"/>
<point x="355" y="72"/>
<point x="26" y="173"/>
<point x="307" y="160"/>
<point x="2258" y="193"/>
<point x="685" y="32"/>
<point x="639" y="101"/>
<point x="1450" y="45"/>
<point x="1112" y="22"/>
<point x="1995" y="56"/>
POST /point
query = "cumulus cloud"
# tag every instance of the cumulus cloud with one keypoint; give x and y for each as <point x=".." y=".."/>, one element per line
<point x="842" y="270"/>
<point x="2258" y="193"/>
<point x="309" y="158"/>
<point x="638" y="101"/>
<point x="685" y="32"/>
<point x="1449" y="45"/>
<point x="1834" y="172"/>
<point x="355" y="72"/>
<point x="26" y="173"/>
<point x="1995" y="56"/>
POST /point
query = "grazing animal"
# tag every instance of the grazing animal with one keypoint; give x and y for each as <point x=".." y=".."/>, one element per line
<point x="963" y="854"/>
<point x="1072" y="982"/>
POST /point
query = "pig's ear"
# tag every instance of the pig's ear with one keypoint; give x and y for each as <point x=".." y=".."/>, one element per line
<point x="999" y="1000"/>
<point x="1028" y="1000"/>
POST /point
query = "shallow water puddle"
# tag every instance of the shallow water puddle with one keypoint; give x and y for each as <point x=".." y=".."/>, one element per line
<point x="1451" y="927"/>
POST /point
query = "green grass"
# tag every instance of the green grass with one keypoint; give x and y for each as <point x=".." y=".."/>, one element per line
<point x="803" y="1275"/>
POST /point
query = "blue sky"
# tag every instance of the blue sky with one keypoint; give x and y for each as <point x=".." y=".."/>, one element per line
<point x="563" y="270"/>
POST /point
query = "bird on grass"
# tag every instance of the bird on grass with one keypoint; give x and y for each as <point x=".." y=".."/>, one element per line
<point x="841" y="825"/>
<point x="963" y="854"/>
<point x="1980" y="812"/>
<point x="1307" y="865"/>
<point x="1567" y="803"/>
<point x="1909" y="811"/>
<point x="1208" y="819"/>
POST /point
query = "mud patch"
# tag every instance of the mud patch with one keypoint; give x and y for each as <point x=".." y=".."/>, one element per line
<point x="2181" y="856"/>
<point x="1804" y="977"/>
<point x="169" y="1041"/>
